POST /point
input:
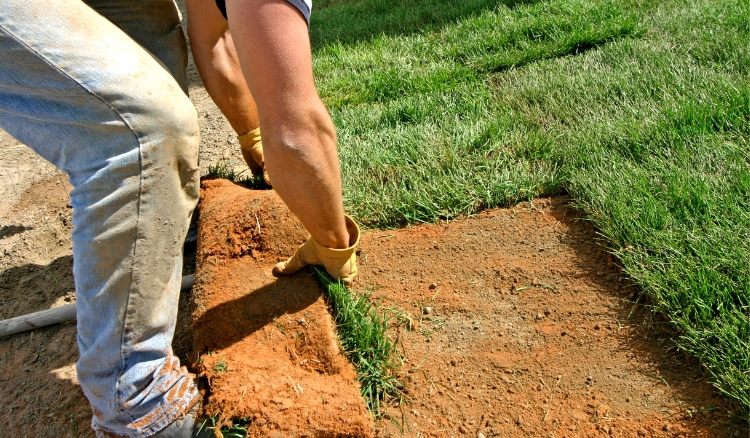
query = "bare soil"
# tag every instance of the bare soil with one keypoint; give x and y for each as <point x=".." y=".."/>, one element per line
<point x="513" y="323"/>
<point x="522" y="326"/>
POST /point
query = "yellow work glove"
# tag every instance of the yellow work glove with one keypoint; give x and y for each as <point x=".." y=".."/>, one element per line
<point x="340" y="263"/>
<point x="252" y="152"/>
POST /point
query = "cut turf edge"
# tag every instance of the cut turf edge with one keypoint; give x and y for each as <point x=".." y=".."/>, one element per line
<point x="363" y="335"/>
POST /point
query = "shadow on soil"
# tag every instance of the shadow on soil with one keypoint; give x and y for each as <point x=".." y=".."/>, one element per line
<point x="346" y="22"/>
<point x="226" y="324"/>
<point x="652" y="339"/>
<point x="29" y="288"/>
<point x="11" y="230"/>
<point x="39" y="383"/>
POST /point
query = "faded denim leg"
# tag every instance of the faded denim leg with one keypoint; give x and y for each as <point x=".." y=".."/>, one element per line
<point x="155" y="25"/>
<point x="86" y="97"/>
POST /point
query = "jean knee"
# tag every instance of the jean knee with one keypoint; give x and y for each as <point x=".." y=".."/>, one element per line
<point x="179" y="121"/>
<point x="174" y="123"/>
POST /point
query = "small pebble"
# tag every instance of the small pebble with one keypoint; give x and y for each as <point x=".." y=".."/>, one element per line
<point x="462" y="429"/>
<point x="480" y="435"/>
<point x="519" y="421"/>
<point x="453" y="362"/>
<point x="666" y="428"/>
<point x="641" y="432"/>
<point x="539" y="388"/>
<point x="433" y="285"/>
<point x="539" y="316"/>
<point x="427" y="310"/>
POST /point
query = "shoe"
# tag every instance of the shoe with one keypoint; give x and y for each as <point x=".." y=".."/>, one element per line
<point x="186" y="427"/>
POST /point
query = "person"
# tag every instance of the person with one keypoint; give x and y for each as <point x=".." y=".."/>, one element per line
<point x="99" y="89"/>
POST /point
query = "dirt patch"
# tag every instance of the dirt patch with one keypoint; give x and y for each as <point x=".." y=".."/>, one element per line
<point x="38" y="386"/>
<point x="523" y="326"/>
<point x="514" y="323"/>
<point x="267" y="346"/>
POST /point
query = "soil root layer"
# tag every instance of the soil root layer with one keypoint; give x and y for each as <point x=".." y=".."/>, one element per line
<point x="267" y="346"/>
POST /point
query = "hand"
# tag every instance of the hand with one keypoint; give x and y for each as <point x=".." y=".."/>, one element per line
<point x="341" y="264"/>
<point x="252" y="151"/>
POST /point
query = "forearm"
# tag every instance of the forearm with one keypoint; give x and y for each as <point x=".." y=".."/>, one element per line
<point x="218" y="65"/>
<point x="299" y="139"/>
<point x="303" y="163"/>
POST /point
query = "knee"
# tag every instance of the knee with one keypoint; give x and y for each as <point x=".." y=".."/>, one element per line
<point x="176" y="123"/>
<point x="170" y="142"/>
<point x="171" y="125"/>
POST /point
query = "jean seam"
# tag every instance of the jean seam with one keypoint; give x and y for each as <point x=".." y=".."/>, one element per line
<point x="140" y="188"/>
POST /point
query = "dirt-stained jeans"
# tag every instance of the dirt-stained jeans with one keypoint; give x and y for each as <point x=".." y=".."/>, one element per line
<point x="104" y="100"/>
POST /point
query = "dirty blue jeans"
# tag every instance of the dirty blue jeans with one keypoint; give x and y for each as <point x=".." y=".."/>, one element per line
<point x="104" y="100"/>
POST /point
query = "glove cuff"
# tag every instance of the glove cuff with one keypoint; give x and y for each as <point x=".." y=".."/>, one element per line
<point x="252" y="151"/>
<point x="250" y="139"/>
<point x="344" y="253"/>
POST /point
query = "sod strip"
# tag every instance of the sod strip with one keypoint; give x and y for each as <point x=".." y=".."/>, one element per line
<point x="363" y="333"/>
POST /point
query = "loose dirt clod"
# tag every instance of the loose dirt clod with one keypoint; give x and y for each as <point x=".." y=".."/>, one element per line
<point x="267" y="346"/>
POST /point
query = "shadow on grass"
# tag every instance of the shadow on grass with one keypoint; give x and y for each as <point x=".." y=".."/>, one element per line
<point x="348" y="22"/>
<point x="651" y="338"/>
<point x="578" y="45"/>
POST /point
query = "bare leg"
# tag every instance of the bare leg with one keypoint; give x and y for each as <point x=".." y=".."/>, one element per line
<point x="272" y="42"/>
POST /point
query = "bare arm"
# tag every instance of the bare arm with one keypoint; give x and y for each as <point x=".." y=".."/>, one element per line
<point x="218" y="65"/>
<point x="273" y="47"/>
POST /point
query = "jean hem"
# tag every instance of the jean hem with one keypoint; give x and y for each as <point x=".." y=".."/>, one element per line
<point x="180" y="409"/>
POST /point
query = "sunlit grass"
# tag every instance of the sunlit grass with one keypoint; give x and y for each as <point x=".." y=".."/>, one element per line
<point x="638" y="109"/>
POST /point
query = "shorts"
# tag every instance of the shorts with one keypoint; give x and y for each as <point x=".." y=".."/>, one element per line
<point x="303" y="6"/>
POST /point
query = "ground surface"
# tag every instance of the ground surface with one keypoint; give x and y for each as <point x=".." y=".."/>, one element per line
<point x="522" y="326"/>
<point x="517" y="317"/>
<point x="490" y="356"/>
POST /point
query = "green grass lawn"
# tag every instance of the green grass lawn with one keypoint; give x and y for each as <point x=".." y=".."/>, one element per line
<point x="640" y="110"/>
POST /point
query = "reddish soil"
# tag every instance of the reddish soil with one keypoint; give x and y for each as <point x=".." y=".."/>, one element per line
<point x="479" y="361"/>
<point x="524" y="327"/>
<point x="267" y="347"/>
